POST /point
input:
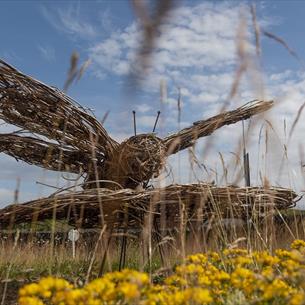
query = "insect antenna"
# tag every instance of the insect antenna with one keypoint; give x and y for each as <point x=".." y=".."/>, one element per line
<point x="134" y="122"/>
<point x="157" y="118"/>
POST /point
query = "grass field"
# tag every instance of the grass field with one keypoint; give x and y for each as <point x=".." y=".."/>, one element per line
<point x="27" y="259"/>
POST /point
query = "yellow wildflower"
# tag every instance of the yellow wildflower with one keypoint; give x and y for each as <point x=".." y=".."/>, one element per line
<point x="257" y="277"/>
<point x="26" y="300"/>
<point x="29" y="290"/>
<point x="298" y="244"/>
<point x="277" y="288"/>
<point x="129" y="290"/>
<point x="297" y="298"/>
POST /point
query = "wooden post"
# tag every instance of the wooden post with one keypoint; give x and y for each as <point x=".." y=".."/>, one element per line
<point x="246" y="160"/>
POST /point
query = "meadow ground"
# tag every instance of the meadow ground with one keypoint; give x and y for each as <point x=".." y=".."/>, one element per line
<point x="28" y="259"/>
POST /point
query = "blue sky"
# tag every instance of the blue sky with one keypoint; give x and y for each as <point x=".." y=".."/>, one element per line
<point x="196" y="51"/>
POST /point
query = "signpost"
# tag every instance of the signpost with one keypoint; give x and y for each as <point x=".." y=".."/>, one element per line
<point x="73" y="236"/>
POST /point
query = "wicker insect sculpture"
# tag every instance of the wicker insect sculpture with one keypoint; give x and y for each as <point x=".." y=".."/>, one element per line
<point x="66" y="137"/>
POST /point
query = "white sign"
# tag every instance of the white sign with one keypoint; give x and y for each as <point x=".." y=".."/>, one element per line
<point x="73" y="235"/>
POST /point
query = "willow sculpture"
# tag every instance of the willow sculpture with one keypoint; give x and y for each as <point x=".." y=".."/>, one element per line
<point x="66" y="137"/>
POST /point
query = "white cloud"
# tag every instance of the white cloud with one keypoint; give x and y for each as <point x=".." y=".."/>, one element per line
<point x="146" y="121"/>
<point x="69" y="21"/>
<point x="279" y="77"/>
<point x="196" y="37"/>
<point x="120" y="136"/>
<point x="196" y="51"/>
<point x="47" y="52"/>
<point x="115" y="53"/>
<point x="143" y="108"/>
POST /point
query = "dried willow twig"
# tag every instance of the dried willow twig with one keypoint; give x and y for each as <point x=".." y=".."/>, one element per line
<point x="296" y="121"/>
<point x="114" y="203"/>
<point x="284" y="44"/>
<point x="186" y="137"/>
<point x="256" y="29"/>
<point x="30" y="104"/>
<point x="45" y="154"/>
<point x="46" y="111"/>
<point x="151" y="24"/>
<point x="74" y="72"/>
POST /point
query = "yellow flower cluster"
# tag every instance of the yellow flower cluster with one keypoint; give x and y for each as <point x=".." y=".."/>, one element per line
<point x="210" y="278"/>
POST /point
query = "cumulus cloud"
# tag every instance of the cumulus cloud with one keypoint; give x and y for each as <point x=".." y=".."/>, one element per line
<point x="196" y="38"/>
<point x="195" y="52"/>
<point x="143" y="108"/>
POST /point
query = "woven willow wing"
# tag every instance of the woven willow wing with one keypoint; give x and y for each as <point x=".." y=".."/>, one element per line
<point x="64" y="135"/>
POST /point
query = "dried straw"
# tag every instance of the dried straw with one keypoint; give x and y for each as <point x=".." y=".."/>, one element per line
<point x="188" y="136"/>
<point x="136" y="160"/>
<point x="82" y="207"/>
<point x="40" y="109"/>
<point x="49" y="155"/>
